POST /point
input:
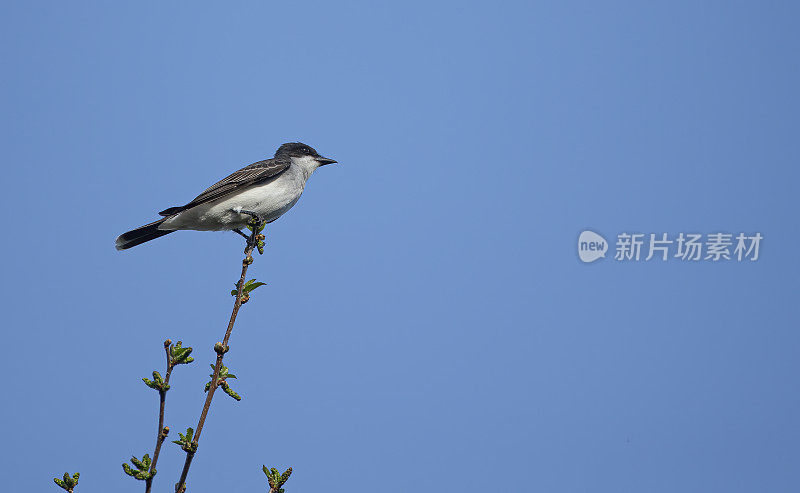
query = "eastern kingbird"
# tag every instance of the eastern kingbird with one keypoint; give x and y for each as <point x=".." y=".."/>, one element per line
<point x="262" y="191"/>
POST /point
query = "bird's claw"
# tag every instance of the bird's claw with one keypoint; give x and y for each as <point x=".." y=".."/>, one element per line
<point x="255" y="239"/>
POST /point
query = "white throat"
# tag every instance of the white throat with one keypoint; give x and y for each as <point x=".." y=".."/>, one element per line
<point x="306" y="163"/>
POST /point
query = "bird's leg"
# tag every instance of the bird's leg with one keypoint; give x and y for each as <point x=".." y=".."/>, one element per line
<point x="252" y="214"/>
<point x="239" y="232"/>
<point x="255" y="239"/>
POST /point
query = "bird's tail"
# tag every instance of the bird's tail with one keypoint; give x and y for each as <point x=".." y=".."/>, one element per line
<point x="141" y="234"/>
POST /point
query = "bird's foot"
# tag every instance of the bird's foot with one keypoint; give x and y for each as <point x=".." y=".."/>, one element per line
<point x="255" y="239"/>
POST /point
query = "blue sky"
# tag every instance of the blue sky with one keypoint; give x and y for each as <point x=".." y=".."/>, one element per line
<point x="427" y="324"/>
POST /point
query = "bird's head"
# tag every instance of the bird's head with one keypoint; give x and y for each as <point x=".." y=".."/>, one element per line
<point x="302" y="154"/>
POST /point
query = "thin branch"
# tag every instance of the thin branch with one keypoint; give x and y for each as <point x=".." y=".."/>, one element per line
<point x="252" y="242"/>
<point x="161" y="433"/>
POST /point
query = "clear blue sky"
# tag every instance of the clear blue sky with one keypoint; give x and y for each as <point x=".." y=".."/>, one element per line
<point x="427" y="324"/>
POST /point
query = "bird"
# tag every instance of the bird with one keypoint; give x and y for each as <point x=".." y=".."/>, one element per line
<point x="261" y="192"/>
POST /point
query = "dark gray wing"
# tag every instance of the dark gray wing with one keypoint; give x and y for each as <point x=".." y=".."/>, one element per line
<point x="249" y="175"/>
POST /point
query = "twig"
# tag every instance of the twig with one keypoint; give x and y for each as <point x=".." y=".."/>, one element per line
<point x="220" y="349"/>
<point x="276" y="479"/>
<point x="162" y="432"/>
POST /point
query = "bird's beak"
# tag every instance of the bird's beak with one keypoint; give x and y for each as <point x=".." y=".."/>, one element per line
<point x="323" y="161"/>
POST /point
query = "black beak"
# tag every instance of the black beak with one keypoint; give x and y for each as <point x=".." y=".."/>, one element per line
<point x="323" y="161"/>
